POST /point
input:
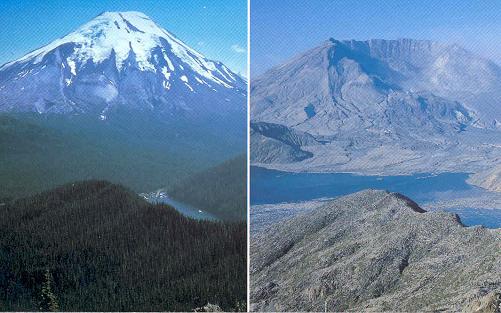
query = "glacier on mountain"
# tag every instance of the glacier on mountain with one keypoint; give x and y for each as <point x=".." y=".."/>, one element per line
<point x="119" y="60"/>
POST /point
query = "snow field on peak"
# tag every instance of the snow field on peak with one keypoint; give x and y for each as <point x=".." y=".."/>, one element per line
<point x="123" y="33"/>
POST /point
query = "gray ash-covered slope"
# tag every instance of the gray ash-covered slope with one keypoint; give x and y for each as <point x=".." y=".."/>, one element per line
<point x="120" y="60"/>
<point x="278" y="143"/>
<point x="489" y="179"/>
<point x="375" y="251"/>
<point x="362" y="99"/>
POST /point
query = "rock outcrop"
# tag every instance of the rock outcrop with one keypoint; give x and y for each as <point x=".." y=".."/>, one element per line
<point x="375" y="251"/>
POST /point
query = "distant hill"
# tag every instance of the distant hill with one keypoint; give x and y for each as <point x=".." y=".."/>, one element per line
<point x="39" y="152"/>
<point x="489" y="179"/>
<point x="379" y="252"/>
<point x="220" y="190"/>
<point x="95" y="246"/>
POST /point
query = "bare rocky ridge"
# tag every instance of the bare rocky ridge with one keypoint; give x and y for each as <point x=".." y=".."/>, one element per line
<point x="279" y="144"/>
<point x="375" y="251"/>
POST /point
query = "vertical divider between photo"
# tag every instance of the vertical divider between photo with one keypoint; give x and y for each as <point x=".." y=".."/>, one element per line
<point x="248" y="152"/>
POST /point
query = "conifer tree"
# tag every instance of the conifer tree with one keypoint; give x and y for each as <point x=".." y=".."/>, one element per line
<point x="48" y="301"/>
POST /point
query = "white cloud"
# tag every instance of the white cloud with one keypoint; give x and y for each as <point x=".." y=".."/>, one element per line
<point x="238" y="49"/>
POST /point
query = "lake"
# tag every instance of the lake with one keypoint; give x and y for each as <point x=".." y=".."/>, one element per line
<point x="183" y="208"/>
<point x="272" y="187"/>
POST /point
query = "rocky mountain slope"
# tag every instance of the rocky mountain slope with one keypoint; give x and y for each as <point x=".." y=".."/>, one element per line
<point x="277" y="143"/>
<point x="375" y="251"/>
<point x="489" y="179"/>
<point x="389" y="101"/>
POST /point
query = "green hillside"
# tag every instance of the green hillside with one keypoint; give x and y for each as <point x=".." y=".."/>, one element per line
<point x="95" y="246"/>
<point x="41" y="152"/>
<point x="220" y="190"/>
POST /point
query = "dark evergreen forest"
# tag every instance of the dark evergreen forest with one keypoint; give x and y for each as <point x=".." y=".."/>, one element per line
<point x="221" y="190"/>
<point x="96" y="246"/>
<point x="41" y="152"/>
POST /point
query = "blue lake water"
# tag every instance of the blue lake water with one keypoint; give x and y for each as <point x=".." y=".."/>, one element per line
<point x="490" y="218"/>
<point x="271" y="186"/>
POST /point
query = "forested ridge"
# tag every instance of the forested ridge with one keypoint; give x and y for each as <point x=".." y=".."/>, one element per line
<point x="96" y="246"/>
<point x="40" y="152"/>
<point x="221" y="190"/>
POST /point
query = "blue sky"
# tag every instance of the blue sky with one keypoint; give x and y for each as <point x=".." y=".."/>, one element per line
<point x="281" y="29"/>
<point x="218" y="29"/>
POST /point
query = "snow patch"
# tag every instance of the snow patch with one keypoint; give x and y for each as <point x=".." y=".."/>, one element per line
<point x="72" y="65"/>
<point x="169" y="62"/>
<point x="166" y="73"/>
<point x="203" y="82"/>
<point x="227" y="73"/>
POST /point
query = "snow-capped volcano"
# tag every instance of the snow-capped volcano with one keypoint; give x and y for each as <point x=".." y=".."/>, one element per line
<point x="119" y="60"/>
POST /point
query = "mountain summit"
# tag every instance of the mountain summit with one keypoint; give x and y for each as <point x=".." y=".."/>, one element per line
<point x="342" y="79"/>
<point x="381" y="104"/>
<point x="375" y="251"/>
<point x="120" y="99"/>
<point x="118" y="59"/>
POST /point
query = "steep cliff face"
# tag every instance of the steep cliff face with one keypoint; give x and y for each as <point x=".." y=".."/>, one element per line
<point x="374" y="251"/>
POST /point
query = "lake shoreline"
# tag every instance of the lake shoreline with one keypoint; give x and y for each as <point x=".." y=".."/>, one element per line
<point x="291" y="192"/>
<point x="161" y="197"/>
